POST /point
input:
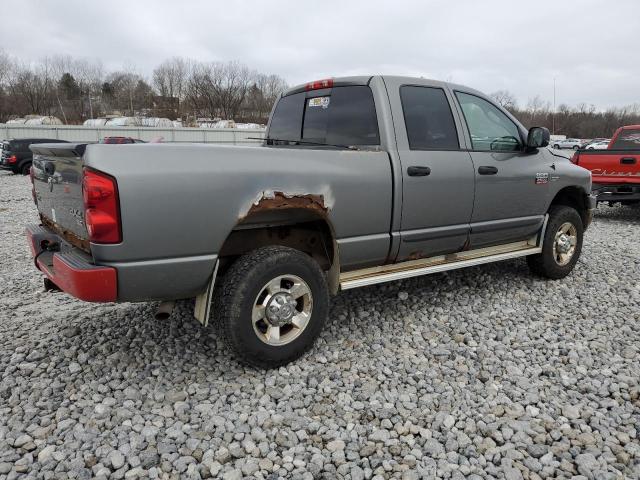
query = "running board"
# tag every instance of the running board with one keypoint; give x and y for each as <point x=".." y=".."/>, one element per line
<point x="442" y="263"/>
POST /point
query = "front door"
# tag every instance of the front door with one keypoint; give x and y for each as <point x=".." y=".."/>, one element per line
<point x="437" y="171"/>
<point x="511" y="183"/>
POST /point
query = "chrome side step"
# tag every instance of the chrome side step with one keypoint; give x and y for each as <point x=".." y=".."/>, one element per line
<point x="442" y="263"/>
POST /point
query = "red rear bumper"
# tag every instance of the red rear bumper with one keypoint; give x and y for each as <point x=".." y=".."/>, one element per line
<point x="70" y="270"/>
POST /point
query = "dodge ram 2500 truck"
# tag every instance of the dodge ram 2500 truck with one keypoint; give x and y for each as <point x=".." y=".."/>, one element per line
<point x="616" y="170"/>
<point x="360" y="180"/>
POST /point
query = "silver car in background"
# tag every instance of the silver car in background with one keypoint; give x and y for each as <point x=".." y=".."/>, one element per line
<point x="573" y="143"/>
<point x="598" y="145"/>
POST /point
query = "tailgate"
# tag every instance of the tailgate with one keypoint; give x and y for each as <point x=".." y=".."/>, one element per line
<point x="57" y="178"/>
<point x="612" y="166"/>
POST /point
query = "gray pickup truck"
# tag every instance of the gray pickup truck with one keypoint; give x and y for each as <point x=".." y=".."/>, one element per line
<point x="360" y="180"/>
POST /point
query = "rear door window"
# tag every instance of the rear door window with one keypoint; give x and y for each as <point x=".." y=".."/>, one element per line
<point x="627" y="140"/>
<point x="340" y="116"/>
<point x="428" y="118"/>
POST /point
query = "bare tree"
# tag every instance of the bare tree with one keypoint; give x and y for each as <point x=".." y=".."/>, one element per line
<point x="7" y="70"/>
<point x="34" y="86"/>
<point x="505" y="99"/>
<point x="218" y="89"/>
<point x="7" y="66"/>
<point x="230" y="83"/>
<point x="169" y="78"/>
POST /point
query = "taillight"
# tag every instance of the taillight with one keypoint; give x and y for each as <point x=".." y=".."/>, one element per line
<point x="101" y="209"/>
<point x="12" y="159"/>
<point x="318" y="84"/>
<point x="575" y="158"/>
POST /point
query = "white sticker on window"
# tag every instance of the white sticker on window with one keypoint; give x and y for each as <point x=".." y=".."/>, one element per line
<point x="53" y="215"/>
<point x="319" y="102"/>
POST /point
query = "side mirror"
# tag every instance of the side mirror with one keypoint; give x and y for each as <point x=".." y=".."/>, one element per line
<point x="538" y="137"/>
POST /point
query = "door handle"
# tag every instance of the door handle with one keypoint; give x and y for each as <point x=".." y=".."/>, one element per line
<point x="418" y="171"/>
<point x="628" y="161"/>
<point x="484" y="170"/>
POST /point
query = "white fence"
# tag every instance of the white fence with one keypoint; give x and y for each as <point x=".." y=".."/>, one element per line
<point x="77" y="133"/>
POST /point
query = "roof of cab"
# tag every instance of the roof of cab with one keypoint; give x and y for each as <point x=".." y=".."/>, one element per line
<point x="337" y="82"/>
<point x="365" y="79"/>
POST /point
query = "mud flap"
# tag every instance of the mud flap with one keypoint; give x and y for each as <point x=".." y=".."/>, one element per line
<point x="202" y="310"/>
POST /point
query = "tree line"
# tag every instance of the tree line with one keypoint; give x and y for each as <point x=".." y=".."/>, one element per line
<point x="75" y="90"/>
<point x="179" y="88"/>
<point x="581" y="121"/>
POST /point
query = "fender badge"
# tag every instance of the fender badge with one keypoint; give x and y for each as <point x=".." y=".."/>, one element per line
<point x="542" y="178"/>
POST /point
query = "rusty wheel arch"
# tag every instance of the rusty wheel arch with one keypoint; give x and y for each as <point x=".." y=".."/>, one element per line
<point x="299" y="221"/>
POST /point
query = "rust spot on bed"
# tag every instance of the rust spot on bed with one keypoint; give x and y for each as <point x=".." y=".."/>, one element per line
<point x="282" y="201"/>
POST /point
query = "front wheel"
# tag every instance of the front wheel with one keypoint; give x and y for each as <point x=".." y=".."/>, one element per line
<point x="576" y="147"/>
<point x="556" y="146"/>
<point x="562" y="244"/>
<point x="271" y="306"/>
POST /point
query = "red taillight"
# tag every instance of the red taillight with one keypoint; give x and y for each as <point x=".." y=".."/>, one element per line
<point x="101" y="210"/>
<point x="318" y="84"/>
<point x="12" y="159"/>
<point x="575" y="158"/>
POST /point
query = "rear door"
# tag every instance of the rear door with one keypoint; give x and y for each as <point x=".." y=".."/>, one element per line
<point x="512" y="185"/>
<point x="437" y="171"/>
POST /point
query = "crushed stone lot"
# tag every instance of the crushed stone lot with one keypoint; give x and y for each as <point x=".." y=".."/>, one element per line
<point x="480" y="373"/>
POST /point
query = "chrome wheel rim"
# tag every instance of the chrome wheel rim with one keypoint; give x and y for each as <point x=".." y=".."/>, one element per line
<point x="564" y="244"/>
<point x="282" y="310"/>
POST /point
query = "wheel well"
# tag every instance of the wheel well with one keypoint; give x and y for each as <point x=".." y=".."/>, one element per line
<point x="573" y="197"/>
<point x="312" y="236"/>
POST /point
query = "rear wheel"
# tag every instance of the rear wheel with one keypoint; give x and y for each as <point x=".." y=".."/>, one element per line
<point x="271" y="305"/>
<point x="556" y="146"/>
<point x="576" y="147"/>
<point x="562" y="244"/>
<point x="25" y="169"/>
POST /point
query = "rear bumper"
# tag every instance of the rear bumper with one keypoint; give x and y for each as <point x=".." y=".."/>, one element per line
<point x="616" y="193"/>
<point x="70" y="269"/>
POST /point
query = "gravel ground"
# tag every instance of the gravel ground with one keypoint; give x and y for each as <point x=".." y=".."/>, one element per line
<point x="483" y="373"/>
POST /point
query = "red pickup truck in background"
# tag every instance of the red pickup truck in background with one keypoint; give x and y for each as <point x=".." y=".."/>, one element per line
<point x="615" y="172"/>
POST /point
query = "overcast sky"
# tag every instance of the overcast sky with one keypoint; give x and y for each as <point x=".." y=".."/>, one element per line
<point x="589" y="46"/>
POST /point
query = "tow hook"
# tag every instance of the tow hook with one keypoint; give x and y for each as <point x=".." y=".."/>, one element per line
<point x="164" y="310"/>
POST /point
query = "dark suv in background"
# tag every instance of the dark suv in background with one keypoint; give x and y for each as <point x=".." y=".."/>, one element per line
<point x="16" y="155"/>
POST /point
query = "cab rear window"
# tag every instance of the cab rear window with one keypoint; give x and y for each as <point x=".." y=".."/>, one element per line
<point x="627" y="140"/>
<point x="340" y="116"/>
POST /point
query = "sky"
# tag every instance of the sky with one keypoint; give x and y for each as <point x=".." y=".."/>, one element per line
<point x="590" y="47"/>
